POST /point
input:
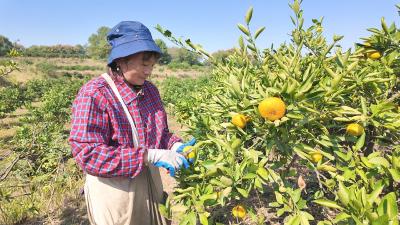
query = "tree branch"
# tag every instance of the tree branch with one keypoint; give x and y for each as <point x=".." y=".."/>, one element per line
<point x="8" y="170"/>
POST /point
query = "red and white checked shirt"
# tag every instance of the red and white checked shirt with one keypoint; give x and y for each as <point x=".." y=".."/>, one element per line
<point x="101" y="136"/>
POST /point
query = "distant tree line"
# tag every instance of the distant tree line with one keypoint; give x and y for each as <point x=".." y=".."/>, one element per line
<point x="98" y="48"/>
<point x="63" y="51"/>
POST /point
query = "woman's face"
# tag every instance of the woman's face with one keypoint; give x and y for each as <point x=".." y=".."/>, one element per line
<point x="135" y="69"/>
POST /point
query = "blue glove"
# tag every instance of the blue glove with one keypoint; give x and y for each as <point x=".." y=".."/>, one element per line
<point x="167" y="159"/>
<point x="189" y="143"/>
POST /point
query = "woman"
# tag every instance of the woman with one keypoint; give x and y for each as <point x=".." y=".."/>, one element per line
<point x="119" y="135"/>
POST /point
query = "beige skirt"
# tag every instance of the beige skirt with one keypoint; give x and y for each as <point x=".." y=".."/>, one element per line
<point x="125" y="201"/>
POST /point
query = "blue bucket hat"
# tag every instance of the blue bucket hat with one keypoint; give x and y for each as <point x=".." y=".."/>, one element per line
<point x="130" y="37"/>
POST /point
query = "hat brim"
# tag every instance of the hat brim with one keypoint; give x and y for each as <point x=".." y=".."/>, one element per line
<point x="131" y="48"/>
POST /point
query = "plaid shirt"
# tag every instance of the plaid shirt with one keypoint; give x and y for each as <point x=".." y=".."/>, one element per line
<point x="101" y="136"/>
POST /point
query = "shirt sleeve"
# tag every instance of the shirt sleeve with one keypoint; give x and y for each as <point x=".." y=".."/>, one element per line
<point x="90" y="139"/>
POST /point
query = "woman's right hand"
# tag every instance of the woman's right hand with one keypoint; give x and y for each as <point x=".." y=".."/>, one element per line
<point x="168" y="159"/>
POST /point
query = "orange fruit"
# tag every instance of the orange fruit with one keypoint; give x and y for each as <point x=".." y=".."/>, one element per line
<point x="272" y="108"/>
<point x="316" y="157"/>
<point x="239" y="211"/>
<point x="192" y="154"/>
<point x="355" y="129"/>
<point x="240" y="120"/>
<point x="374" y="55"/>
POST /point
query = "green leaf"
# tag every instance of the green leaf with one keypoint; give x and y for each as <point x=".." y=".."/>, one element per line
<point x="180" y="190"/>
<point x="279" y="197"/>
<point x="243" y="192"/>
<point x="330" y="72"/>
<point x="258" y="183"/>
<point x="379" y="161"/>
<point x="343" y="194"/>
<point x="241" y="42"/>
<point x="350" y="111"/>
<point x="328" y="203"/>
<point x="366" y="162"/>
<point x="360" y="142"/>
<point x="249" y="176"/>
<point x="388" y="206"/>
<point x="294" y="220"/>
<point x="304" y="219"/>
<point x="363" y="195"/>
<point x="308" y="215"/>
<point x="263" y="173"/>
<point x="217" y="182"/>
<point x="258" y="32"/>
<point x="226" y="181"/>
<point x="163" y="211"/>
<point x="345" y="157"/>
<point x="327" y="168"/>
<point x="188" y="219"/>
<point x="208" y="164"/>
<point x="384" y="219"/>
<point x="327" y="155"/>
<point x="340" y="217"/>
<point x="234" y="82"/>
<point x="375" y="194"/>
<point x="300" y="152"/>
<point x="382" y="107"/>
<point x="189" y="42"/>
<point x="281" y="211"/>
<point x="243" y="29"/>
<point x="249" y="15"/>
<point x="362" y="174"/>
<point x="296" y="7"/>
<point x="179" y="197"/>
<point x="192" y="218"/>
<point x="296" y="195"/>
<point x="395" y="175"/>
<point x="384" y="26"/>
<point x="342" y="119"/>
<point x="205" y="197"/>
<point x="337" y="38"/>
<point x="203" y="218"/>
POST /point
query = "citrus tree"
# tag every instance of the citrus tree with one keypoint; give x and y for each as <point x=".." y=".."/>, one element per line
<point x="39" y="173"/>
<point x="9" y="65"/>
<point x="309" y="126"/>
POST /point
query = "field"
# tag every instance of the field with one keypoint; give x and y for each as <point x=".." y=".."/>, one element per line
<point x="63" y="206"/>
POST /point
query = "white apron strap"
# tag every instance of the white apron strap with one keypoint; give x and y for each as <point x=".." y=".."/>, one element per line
<point x="128" y="115"/>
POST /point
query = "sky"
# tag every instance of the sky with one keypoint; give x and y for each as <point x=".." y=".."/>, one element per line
<point x="211" y="23"/>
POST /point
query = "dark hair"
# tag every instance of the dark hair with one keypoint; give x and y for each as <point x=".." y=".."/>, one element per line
<point x="147" y="55"/>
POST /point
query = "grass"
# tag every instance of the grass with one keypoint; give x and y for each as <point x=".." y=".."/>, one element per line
<point x="40" y="68"/>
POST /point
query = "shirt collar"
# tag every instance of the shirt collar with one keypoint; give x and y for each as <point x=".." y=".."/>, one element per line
<point x="127" y="91"/>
